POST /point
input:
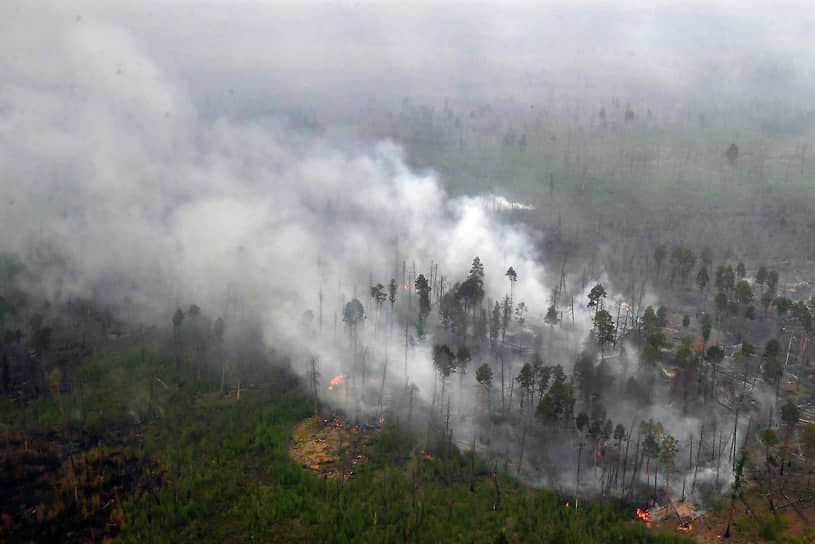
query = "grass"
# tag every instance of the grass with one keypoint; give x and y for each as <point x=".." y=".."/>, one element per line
<point x="225" y="474"/>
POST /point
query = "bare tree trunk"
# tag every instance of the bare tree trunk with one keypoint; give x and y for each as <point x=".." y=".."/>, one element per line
<point x="690" y="466"/>
<point x="521" y="456"/>
<point x="503" y="399"/>
<point x="730" y="516"/>
<point x="625" y="460"/>
<point x="406" y="350"/>
<point x="382" y="391"/>
<point x="719" y="459"/>
<point x="577" y="485"/>
<point x="656" y="473"/>
<point x="698" y="453"/>
<point x="497" y="504"/>
<point x="634" y="470"/>
<point x="769" y="482"/>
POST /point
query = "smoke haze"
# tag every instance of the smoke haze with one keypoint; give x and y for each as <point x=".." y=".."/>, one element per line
<point x="146" y="144"/>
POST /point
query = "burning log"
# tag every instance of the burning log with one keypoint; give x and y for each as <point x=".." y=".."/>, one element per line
<point x="643" y="514"/>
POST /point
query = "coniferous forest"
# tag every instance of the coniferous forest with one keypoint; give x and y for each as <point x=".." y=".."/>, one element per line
<point x="326" y="273"/>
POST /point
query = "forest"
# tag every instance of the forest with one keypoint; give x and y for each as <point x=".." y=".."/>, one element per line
<point x="319" y="305"/>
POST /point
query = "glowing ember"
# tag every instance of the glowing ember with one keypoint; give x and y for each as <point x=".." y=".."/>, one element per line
<point x="643" y="514"/>
<point x="336" y="380"/>
<point x="567" y="504"/>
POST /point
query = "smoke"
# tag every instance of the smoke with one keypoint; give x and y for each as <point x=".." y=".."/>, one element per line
<point x="109" y="169"/>
<point x="112" y="168"/>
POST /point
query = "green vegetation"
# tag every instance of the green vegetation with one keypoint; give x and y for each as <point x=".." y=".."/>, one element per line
<point x="226" y="475"/>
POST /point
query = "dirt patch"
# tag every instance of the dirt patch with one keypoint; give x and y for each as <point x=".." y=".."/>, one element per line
<point x="331" y="447"/>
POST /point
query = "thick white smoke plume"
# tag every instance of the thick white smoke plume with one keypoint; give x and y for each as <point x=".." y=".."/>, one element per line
<point x="107" y="165"/>
<point x="113" y="182"/>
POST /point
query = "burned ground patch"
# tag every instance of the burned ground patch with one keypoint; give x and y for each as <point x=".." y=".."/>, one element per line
<point x="332" y="447"/>
<point x="68" y="485"/>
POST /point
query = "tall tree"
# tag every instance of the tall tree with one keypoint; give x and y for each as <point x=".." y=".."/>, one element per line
<point x="808" y="446"/>
<point x="484" y="376"/>
<point x="743" y="292"/>
<point x="682" y="261"/>
<point x="423" y="290"/>
<point x="732" y="154"/>
<point x="584" y="377"/>
<point x="512" y="276"/>
<point x="715" y="355"/>
<point x="652" y="432"/>
<point x="379" y="297"/>
<point x="725" y="278"/>
<point x="772" y="280"/>
<point x="707" y="327"/>
<point x="542" y="374"/>
<point x="707" y="257"/>
<point x="471" y="290"/>
<point x="659" y="257"/>
<point x="178" y="320"/>
<point x="353" y="314"/>
<point x="597" y="296"/>
<point x="551" y="317"/>
<point x="392" y="288"/>
<point x="721" y="303"/>
<point x="520" y="313"/>
<point x="736" y="491"/>
<point x="557" y="405"/>
<point x="604" y="324"/>
<point x="218" y="330"/>
<point x="702" y="278"/>
<point x="772" y="369"/>
<point x="596" y="424"/>
<point x="444" y="360"/>
<point x="463" y="358"/>
<point x="770" y="440"/>
<point x="668" y="449"/>
<point x="506" y="317"/>
<point x="495" y="325"/>
<point x="526" y="381"/>
<point x="790" y="415"/>
<point x="761" y="276"/>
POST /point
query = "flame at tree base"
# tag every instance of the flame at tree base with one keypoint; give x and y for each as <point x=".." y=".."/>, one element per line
<point x="643" y="514"/>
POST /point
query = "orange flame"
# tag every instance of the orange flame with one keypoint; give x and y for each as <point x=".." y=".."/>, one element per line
<point x="567" y="504"/>
<point x="643" y="514"/>
<point x="624" y="304"/>
<point x="336" y="380"/>
<point x="381" y="420"/>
